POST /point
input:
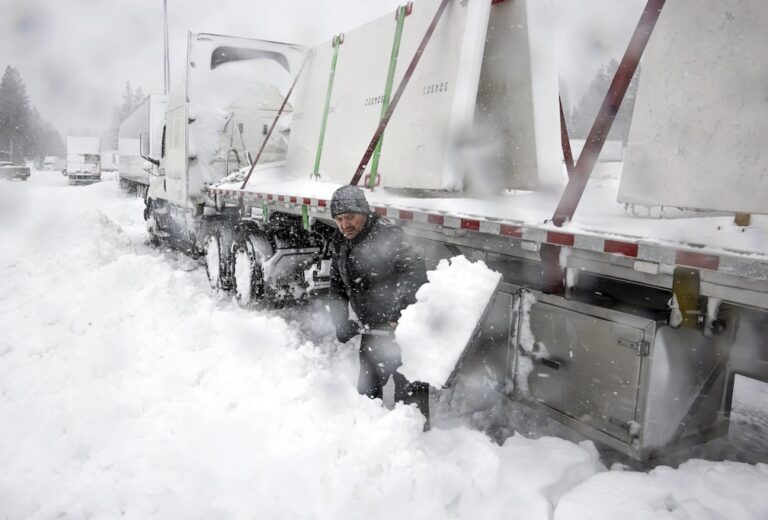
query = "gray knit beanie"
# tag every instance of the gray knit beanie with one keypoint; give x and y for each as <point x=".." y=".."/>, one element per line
<point x="349" y="199"/>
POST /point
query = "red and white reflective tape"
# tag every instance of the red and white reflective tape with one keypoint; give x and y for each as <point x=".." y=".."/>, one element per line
<point x="647" y="254"/>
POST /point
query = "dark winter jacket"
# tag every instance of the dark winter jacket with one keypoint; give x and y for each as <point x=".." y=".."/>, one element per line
<point x="378" y="272"/>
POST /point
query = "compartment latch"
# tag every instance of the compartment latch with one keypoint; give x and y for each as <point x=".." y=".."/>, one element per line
<point x="643" y="348"/>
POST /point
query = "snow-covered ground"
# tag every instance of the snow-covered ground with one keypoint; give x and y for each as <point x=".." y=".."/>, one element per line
<point x="128" y="390"/>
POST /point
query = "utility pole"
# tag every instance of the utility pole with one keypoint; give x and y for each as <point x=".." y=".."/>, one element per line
<point x="166" y="63"/>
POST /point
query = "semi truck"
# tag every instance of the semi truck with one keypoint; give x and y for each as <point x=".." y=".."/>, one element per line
<point x="51" y="162"/>
<point x="9" y="171"/>
<point x="628" y="309"/>
<point x="83" y="159"/>
<point x="141" y="128"/>
<point x="232" y="89"/>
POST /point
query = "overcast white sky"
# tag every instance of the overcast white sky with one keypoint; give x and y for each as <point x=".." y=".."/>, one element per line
<point x="76" y="55"/>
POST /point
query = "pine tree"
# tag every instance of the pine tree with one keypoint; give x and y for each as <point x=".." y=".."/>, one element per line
<point x="15" y="134"/>
<point x="126" y="107"/>
<point x="138" y="97"/>
<point x="131" y="100"/>
<point x="584" y="114"/>
<point x="36" y="143"/>
<point x="44" y="138"/>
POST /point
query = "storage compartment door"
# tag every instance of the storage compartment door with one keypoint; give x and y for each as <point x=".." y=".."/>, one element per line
<point x="588" y="368"/>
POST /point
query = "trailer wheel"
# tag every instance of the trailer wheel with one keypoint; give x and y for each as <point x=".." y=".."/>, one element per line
<point x="249" y="252"/>
<point x="217" y="257"/>
<point x="214" y="263"/>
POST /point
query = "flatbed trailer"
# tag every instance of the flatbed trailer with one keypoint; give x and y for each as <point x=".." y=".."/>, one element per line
<point x="627" y="321"/>
<point x="733" y="260"/>
<point x="607" y="328"/>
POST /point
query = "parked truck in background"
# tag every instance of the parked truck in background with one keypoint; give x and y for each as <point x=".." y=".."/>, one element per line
<point x="142" y="127"/>
<point x="83" y="159"/>
<point x="10" y="171"/>
<point x="109" y="160"/>
<point x="51" y="162"/>
<point x="630" y="321"/>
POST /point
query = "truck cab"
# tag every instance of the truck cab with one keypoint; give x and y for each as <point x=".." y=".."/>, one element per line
<point x="83" y="159"/>
<point x="214" y="122"/>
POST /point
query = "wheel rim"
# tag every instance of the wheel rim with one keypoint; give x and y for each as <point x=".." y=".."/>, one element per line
<point x="213" y="261"/>
<point x="249" y="253"/>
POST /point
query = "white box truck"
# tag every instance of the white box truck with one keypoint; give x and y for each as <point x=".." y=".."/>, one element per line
<point x="109" y="160"/>
<point x="83" y="159"/>
<point x="51" y="162"/>
<point x="142" y="127"/>
<point x="626" y="321"/>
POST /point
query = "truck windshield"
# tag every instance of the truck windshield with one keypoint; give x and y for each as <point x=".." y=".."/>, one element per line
<point x="221" y="55"/>
<point x="91" y="157"/>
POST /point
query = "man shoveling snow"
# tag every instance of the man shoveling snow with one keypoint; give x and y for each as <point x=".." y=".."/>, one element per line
<point x="376" y="271"/>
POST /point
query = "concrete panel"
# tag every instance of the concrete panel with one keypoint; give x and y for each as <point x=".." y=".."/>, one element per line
<point x="701" y="118"/>
<point x="437" y="109"/>
<point x="439" y="100"/>
<point x="308" y="100"/>
<point x="356" y="102"/>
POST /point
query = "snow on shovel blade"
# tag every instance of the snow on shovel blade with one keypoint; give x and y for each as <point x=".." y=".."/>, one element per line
<point x="435" y="332"/>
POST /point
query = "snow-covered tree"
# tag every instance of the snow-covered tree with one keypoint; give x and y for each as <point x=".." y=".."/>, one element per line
<point x="138" y="97"/>
<point x="583" y="115"/>
<point x="23" y="131"/>
<point x="131" y="100"/>
<point x="44" y="138"/>
<point x="15" y="132"/>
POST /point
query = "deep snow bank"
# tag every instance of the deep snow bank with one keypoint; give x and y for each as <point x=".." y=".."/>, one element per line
<point x="128" y="390"/>
<point x="698" y="489"/>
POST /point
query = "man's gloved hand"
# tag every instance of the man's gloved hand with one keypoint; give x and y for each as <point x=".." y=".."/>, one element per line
<point x="347" y="331"/>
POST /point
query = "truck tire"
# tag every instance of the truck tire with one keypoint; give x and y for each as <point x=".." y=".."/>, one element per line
<point x="249" y="252"/>
<point x="218" y="259"/>
<point x="152" y="224"/>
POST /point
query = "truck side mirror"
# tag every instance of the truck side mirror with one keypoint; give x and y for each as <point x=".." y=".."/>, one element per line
<point x="142" y="148"/>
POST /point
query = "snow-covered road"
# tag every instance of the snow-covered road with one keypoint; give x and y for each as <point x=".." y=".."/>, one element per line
<point x="128" y="390"/>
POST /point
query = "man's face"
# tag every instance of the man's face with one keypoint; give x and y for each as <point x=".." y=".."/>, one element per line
<point x="350" y="224"/>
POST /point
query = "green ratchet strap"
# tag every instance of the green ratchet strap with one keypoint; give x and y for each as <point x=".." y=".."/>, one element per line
<point x="401" y="13"/>
<point x="397" y="95"/>
<point x="305" y="217"/>
<point x="337" y="41"/>
<point x="265" y="211"/>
